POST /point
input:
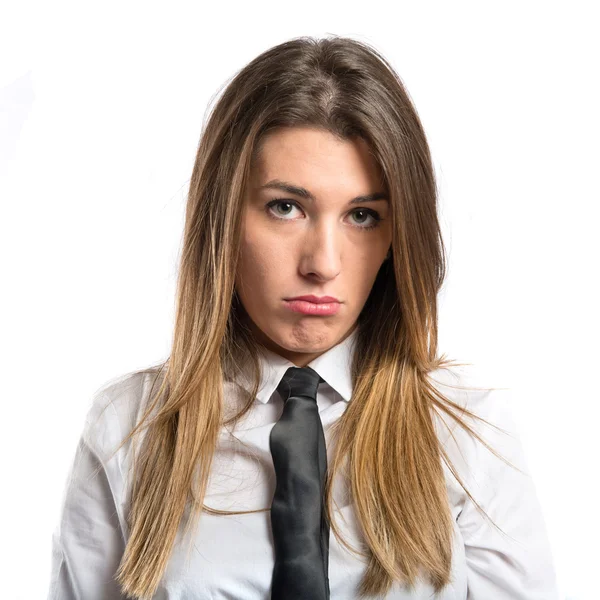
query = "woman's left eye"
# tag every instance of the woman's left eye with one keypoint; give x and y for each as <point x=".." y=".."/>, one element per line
<point x="369" y="212"/>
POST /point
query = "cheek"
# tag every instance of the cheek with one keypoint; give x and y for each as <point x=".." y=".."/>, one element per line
<point x="364" y="274"/>
<point x="262" y="258"/>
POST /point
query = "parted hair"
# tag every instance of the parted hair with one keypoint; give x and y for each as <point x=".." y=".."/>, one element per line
<point x="385" y="442"/>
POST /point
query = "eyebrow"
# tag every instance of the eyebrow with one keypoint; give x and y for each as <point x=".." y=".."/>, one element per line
<point x="304" y="193"/>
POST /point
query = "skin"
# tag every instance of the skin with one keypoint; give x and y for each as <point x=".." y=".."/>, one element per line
<point x="319" y="247"/>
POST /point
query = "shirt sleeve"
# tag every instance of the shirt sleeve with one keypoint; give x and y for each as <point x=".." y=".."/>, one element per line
<point x="516" y="564"/>
<point x="88" y="544"/>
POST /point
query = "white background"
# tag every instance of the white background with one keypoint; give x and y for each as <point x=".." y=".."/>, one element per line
<point x="101" y="109"/>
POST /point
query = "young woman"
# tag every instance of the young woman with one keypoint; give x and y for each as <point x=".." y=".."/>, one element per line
<point x="218" y="473"/>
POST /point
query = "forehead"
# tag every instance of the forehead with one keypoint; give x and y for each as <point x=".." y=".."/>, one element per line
<point x="314" y="157"/>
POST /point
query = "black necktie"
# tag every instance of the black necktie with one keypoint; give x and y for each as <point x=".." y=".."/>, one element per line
<point x="300" y="531"/>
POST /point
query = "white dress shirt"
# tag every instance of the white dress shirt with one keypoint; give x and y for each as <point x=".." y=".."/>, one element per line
<point x="233" y="556"/>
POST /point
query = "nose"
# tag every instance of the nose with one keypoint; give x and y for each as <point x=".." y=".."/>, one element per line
<point x="321" y="253"/>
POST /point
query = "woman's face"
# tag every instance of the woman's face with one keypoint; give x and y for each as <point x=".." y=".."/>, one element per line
<point x="324" y="246"/>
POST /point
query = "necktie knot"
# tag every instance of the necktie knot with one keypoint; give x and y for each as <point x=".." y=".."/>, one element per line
<point x="299" y="381"/>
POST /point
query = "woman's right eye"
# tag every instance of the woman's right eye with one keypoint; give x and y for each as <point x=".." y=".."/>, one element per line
<point x="279" y="202"/>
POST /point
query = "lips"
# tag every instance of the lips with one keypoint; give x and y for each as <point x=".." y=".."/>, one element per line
<point x="316" y="299"/>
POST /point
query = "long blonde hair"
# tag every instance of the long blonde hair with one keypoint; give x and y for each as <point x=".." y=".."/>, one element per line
<point x="385" y="442"/>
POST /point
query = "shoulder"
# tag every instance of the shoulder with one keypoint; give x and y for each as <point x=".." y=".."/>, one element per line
<point x="476" y="390"/>
<point x="115" y="408"/>
<point x="482" y="394"/>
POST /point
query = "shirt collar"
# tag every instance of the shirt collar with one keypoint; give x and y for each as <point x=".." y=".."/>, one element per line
<point x="334" y="366"/>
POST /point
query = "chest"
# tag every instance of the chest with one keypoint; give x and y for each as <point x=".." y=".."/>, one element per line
<point x="232" y="557"/>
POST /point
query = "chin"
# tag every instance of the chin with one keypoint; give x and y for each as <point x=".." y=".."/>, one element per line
<point x="309" y="337"/>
